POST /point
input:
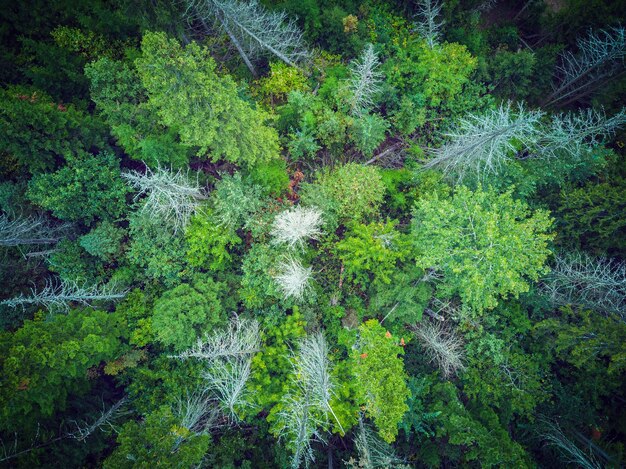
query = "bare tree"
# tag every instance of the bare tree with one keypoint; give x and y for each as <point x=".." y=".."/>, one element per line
<point x="480" y="145"/>
<point x="29" y="230"/>
<point x="254" y="31"/>
<point x="555" y="436"/>
<point x="84" y="429"/>
<point x="596" y="283"/>
<point x="600" y="55"/>
<point x="242" y="337"/>
<point x="227" y="379"/>
<point x="227" y="354"/>
<point x="573" y="133"/>
<point x="295" y="226"/>
<point x="57" y="296"/>
<point x="293" y="278"/>
<point x="197" y="412"/>
<point x="307" y="406"/>
<point x="373" y="452"/>
<point x="442" y="346"/>
<point x="428" y="26"/>
<point x="169" y="196"/>
<point x="365" y="81"/>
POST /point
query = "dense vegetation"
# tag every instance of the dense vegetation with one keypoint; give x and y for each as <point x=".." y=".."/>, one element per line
<point x="312" y="233"/>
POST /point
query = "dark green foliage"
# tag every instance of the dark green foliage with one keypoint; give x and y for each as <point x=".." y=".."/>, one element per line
<point x="160" y="440"/>
<point x="46" y="360"/>
<point x="87" y="188"/>
<point x="37" y="133"/>
<point x="103" y="241"/>
<point x="183" y="313"/>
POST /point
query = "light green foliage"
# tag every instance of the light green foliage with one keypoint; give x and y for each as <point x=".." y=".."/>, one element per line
<point x="259" y="266"/>
<point x="437" y="78"/>
<point x="103" y="241"/>
<point x="282" y="80"/>
<point x="35" y="131"/>
<point x="486" y="245"/>
<point x="136" y="309"/>
<point x="271" y="368"/>
<point x="205" y="108"/>
<point x="358" y="190"/>
<point x="156" y="252"/>
<point x="370" y="253"/>
<point x="184" y="312"/>
<point x="368" y="132"/>
<point x="380" y="378"/>
<point x="121" y="99"/>
<point x="160" y="440"/>
<point x="208" y="242"/>
<point x="86" y="188"/>
<point x="272" y="177"/>
<point x="44" y="361"/>
<point x="235" y="200"/>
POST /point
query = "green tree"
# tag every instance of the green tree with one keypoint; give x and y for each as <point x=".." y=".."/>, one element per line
<point x="357" y="190"/>
<point x="371" y="252"/>
<point x="486" y="245"/>
<point x="204" y="107"/>
<point x="184" y="312"/>
<point x="45" y="361"/>
<point x="380" y="378"/>
<point x="88" y="187"/>
<point x="35" y="132"/>
<point x="121" y="99"/>
<point x="162" y="440"/>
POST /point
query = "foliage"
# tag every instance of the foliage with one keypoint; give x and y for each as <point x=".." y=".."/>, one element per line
<point x="370" y="253"/>
<point x="208" y="242"/>
<point x="368" y="132"/>
<point x="32" y="124"/>
<point x="160" y="439"/>
<point x="103" y="241"/>
<point x="486" y="245"/>
<point x="45" y="361"/>
<point x="187" y="93"/>
<point x="182" y="313"/>
<point x="357" y="189"/>
<point x="236" y="200"/>
<point x="380" y="378"/>
<point x="88" y="187"/>
<point x="282" y="80"/>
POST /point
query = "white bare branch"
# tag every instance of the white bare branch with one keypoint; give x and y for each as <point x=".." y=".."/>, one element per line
<point x="480" y="145"/>
<point x="30" y="230"/>
<point x="599" y="56"/>
<point x="293" y="278"/>
<point x="307" y="406"/>
<point x="428" y="26"/>
<point x="255" y="31"/>
<point x="227" y="379"/>
<point x="295" y="226"/>
<point x="106" y="419"/>
<point x="373" y="452"/>
<point x="555" y="436"/>
<point x="169" y="196"/>
<point x="441" y="345"/>
<point x="574" y="133"/>
<point x="241" y="338"/>
<point x="365" y="81"/>
<point x="596" y="283"/>
<point x="58" y="296"/>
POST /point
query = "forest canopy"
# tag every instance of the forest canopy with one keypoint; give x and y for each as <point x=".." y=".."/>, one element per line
<point x="316" y="233"/>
